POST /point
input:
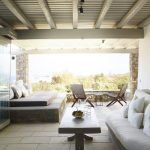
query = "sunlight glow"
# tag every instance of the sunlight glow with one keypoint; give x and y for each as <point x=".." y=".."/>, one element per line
<point x="77" y="64"/>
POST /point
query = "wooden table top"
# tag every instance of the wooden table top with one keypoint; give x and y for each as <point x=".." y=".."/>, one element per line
<point x="87" y="124"/>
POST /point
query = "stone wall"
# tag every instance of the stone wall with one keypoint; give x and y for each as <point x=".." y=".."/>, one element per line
<point x="133" y="72"/>
<point x="22" y="68"/>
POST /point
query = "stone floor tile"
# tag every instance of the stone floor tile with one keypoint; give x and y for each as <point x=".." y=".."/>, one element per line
<point x="101" y="139"/>
<point x="44" y="133"/>
<point x="96" y="146"/>
<point x="3" y="133"/>
<point x="9" y="140"/>
<point x="21" y="147"/>
<point x="2" y="146"/>
<point x="53" y="147"/>
<point x="18" y="134"/>
<point x="35" y="140"/>
<point x="59" y="140"/>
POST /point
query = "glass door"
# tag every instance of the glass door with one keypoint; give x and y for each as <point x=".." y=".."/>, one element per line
<point x="4" y="80"/>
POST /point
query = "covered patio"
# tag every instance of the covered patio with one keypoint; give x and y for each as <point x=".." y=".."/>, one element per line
<point x="69" y="26"/>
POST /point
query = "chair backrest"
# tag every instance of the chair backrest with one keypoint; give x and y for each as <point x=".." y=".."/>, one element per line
<point x="123" y="90"/>
<point x="78" y="91"/>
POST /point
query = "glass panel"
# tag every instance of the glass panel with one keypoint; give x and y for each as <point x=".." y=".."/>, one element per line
<point x="4" y="78"/>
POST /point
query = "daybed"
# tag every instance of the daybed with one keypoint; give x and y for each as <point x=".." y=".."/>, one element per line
<point x="43" y="106"/>
<point x="38" y="107"/>
<point x="123" y="134"/>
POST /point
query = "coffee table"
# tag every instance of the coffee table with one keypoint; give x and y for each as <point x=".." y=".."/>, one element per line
<point x="70" y="125"/>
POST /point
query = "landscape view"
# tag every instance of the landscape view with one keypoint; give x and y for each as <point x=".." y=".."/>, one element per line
<point x="95" y="71"/>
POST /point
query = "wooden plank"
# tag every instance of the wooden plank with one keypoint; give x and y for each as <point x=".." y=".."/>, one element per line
<point x="75" y="13"/>
<point x="8" y="32"/>
<point x="79" y="50"/>
<point x="17" y="12"/>
<point x="131" y="13"/>
<point x="80" y="33"/>
<point x="103" y="12"/>
<point x="4" y="23"/>
<point x="47" y="13"/>
<point x="144" y="23"/>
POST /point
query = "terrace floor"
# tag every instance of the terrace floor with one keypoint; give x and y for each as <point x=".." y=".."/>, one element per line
<point x="44" y="136"/>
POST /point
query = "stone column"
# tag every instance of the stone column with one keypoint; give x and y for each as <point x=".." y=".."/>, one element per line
<point x="133" y="72"/>
<point x="22" y="68"/>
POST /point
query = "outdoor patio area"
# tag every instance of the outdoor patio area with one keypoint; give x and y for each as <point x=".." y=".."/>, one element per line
<point x="44" y="136"/>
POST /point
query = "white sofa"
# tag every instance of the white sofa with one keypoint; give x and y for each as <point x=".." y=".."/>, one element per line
<point x="123" y="135"/>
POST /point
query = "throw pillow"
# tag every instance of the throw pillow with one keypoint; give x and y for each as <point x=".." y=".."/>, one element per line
<point x="146" y="129"/>
<point x="11" y="96"/>
<point x="125" y="111"/>
<point x="136" y="119"/>
<point x="20" y="84"/>
<point x="137" y="105"/>
<point x="17" y="91"/>
<point x="25" y="92"/>
<point x="135" y="112"/>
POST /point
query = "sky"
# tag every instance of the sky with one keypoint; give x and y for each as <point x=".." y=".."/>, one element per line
<point x="78" y="64"/>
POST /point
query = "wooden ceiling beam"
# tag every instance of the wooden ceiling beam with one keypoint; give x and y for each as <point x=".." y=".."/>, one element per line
<point x="91" y="50"/>
<point x="4" y="23"/>
<point x="144" y="22"/>
<point x="17" y="12"/>
<point x="131" y="13"/>
<point x="103" y="12"/>
<point x="80" y="34"/>
<point x="47" y="13"/>
<point x="75" y="13"/>
<point x="8" y="32"/>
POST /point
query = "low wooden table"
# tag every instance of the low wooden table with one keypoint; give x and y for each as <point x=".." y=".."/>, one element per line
<point x="79" y="127"/>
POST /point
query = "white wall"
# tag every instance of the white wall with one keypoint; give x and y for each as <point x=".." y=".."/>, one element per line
<point x="144" y="60"/>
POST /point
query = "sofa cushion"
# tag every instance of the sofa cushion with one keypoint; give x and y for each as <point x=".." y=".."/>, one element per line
<point x="17" y="91"/>
<point x="145" y="94"/>
<point x="146" y="129"/>
<point x="135" y="119"/>
<point x="25" y="92"/>
<point x="42" y="98"/>
<point x="135" y="112"/>
<point x="11" y="94"/>
<point x="137" y="105"/>
<point x="125" y="111"/>
<point x="131" y="138"/>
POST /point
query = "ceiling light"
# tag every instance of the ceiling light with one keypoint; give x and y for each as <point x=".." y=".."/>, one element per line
<point x="103" y="41"/>
<point x="81" y="10"/>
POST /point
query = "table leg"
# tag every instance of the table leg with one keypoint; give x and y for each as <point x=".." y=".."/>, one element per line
<point x="86" y="137"/>
<point x="71" y="138"/>
<point x="79" y="142"/>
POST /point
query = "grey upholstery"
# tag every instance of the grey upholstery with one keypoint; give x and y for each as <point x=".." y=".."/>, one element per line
<point x="36" y="99"/>
<point x="50" y="113"/>
<point x="126" y="136"/>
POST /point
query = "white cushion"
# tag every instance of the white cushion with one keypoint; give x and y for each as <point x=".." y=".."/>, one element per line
<point x="146" y="129"/>
<point x="135" y="112"/>
<point x="135" y="119"/>
<point x="17" y="91"/>
<point x="20" y="84"/>
<point x="137" y="105"/>
<point x="131" y="138"/>
<point x="25" y="92"/>
<point x="11" y="94"/>
<point x="125" y="111"/>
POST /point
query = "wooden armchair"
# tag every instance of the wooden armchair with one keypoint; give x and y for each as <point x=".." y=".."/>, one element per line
<point x="118" y="97"/>
<point x="79" y="94"/>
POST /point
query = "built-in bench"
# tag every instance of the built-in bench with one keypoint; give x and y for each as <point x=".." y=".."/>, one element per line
<point x="50" y="113"/>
